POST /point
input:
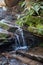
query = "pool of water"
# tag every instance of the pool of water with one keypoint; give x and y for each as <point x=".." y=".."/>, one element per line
<point x="10" y="61"/>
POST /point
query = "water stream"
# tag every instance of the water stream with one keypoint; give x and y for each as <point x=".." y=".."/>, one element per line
<point x="18" y="44"/>
<point x="19" y="36"/>
<point x="19" y="39"/>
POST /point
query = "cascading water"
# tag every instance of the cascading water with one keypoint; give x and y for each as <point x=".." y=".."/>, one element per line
<point x="19" y="32"/>
<point x="19" y="39"/>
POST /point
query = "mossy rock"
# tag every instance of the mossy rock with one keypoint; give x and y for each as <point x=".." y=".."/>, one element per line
<point x="4" y="26"/>
<point x="3" y="36"/>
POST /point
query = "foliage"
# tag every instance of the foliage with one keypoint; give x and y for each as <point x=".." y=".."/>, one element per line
<point x="35" y="30"/>
<point x="30" y="20"/>
<point x="22" y="3"/>
<point x="33" y="17"/>
<point x="34" y="24"/>
<point x="34" y="7"/>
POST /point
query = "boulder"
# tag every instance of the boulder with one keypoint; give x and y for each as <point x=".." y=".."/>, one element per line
<point x="11" y="3"/>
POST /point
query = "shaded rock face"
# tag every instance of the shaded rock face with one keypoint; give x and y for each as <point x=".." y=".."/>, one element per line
<point x="31" y="40"/>
<point x="7" y="45"/>
<point x="2" y="13"/>
<point x="13" y="29"/>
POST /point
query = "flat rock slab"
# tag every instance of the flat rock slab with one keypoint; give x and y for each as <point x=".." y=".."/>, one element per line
<point x="24" y="60"/>
<point x="37" y="57"/>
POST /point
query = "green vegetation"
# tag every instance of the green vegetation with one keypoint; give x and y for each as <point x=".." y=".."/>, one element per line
<point x="34" y="8"/>
<point x="3" y="36"/>
<point x="41" y="44"/>
<point x="34" y="24"/>
<point x="33" y="18"/>
<point x="4" y="26"/>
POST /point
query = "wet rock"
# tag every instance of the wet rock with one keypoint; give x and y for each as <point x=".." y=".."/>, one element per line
<point x="9" y="18"/>
<point x="6" y="24"/>
<point x="5" y="36"/>
<point x="21" y="58"/>
<point x="2" y="13"/>
<point x="31" y="40"/>
<point x="13" y="29"/>
<point x="3" y="60"/>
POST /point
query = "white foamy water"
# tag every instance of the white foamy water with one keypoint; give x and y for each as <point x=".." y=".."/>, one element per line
<point x="21" y="48"/>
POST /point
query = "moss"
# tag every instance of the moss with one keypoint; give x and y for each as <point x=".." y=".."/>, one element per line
<point x="40" y="44"/>
<point x="3" y="36"/>
<point x="4" y="26"/>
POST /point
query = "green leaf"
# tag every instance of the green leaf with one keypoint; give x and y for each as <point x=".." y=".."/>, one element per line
<point x="31" y="12"/>
<point x="36" y="8"/>
<point x="41" y="7"/>
<point x="23" y="4"/>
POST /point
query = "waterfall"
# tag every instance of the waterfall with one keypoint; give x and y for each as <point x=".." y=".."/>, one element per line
<point x="17" y="42"/>
<point x="19" y="39"/>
